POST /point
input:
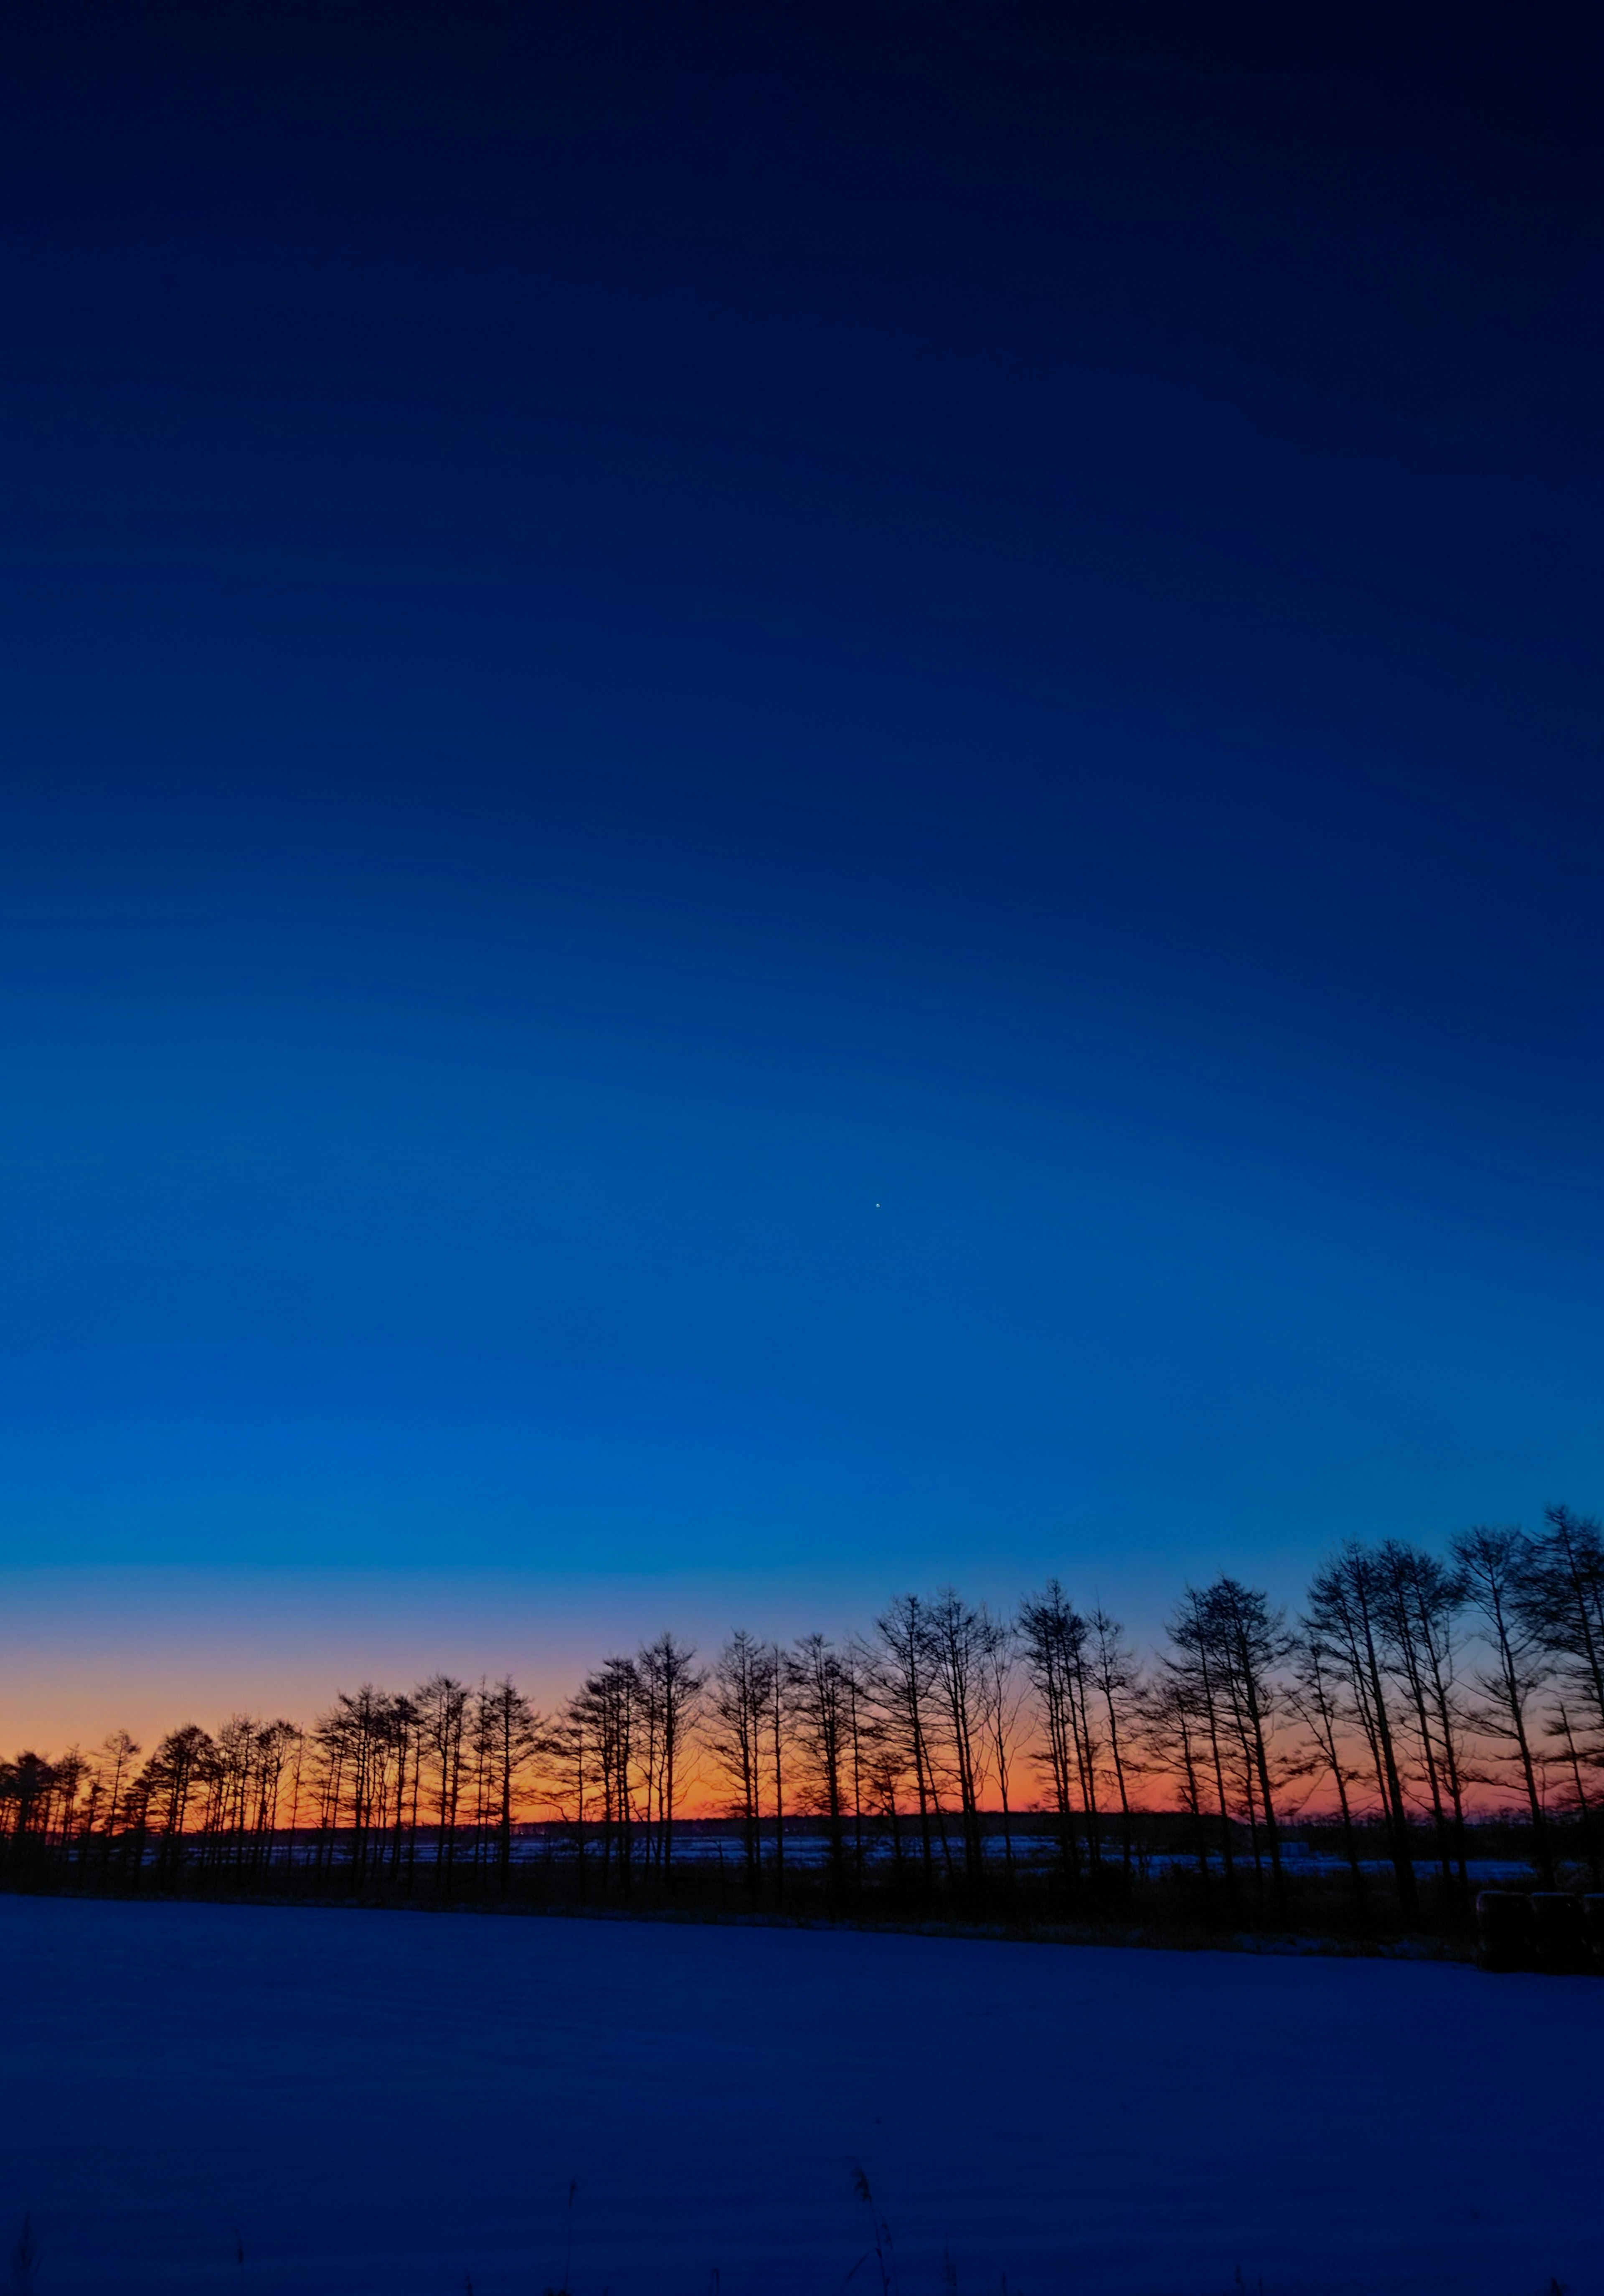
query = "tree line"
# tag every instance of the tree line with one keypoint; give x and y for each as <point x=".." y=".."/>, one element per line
<point x="949" y="1755"/>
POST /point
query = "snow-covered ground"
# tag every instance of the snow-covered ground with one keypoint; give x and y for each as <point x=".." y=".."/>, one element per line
<point x="395" y="2102"/>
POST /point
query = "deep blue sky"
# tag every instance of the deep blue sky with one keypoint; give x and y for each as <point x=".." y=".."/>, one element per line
<point x="795" y="797"/>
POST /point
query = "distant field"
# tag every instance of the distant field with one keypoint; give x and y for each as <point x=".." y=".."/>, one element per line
<point x="370" y="2102"/>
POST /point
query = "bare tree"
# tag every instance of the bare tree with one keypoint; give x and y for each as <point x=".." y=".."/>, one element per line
<point x="1418" y="1602"/>
<point x="1173" y="1733"/>
<point x="441" y="1704"/>
<point x="1250" y="1644"/>
<point x="1563" y="1607"/>
<point x="778" y="1722"/>
<point x="1559" y="1728"/>
<point x="1314" y="1696"/>
<point x="1116" y="1678"/>
<point x="956" y="1638"/>
<point x="905" y="1677"/>
<point x="598" y="1751"/>
<point x="881" y="1750"/>
<point x="1499" y="1567"/>
<point x="819" y="1706"/>
<point x="674" y="1685"/>
<point x="572" y="1776"/>
<point x="1345" y="1600"/>
<point x="863" y="1734"/>
<point x="118" y="1751"/>
<point x="1053" y="1638"/>
<point x="512" y="1734"/>
<point x="737" y="1712"/>
<point x="1003" y="1691"/>
<point x="183" y="1763"/>
<point x="344" y="1737"/>
<point x="1193" y="1664"/>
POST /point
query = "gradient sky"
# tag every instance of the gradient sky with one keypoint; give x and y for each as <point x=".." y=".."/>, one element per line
<point x="794" y="801"/>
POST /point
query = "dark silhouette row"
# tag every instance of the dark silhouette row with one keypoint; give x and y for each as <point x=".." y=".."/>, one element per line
<point x="1421" y="1714"/>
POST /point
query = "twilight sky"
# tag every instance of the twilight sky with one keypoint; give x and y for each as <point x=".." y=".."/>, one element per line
<point x="794" y="801"/>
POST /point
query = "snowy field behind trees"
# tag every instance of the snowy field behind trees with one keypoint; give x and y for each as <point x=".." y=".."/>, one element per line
<point x="249" y="2099"/>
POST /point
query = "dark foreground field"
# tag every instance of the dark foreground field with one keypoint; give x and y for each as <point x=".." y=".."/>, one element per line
<point x="368" y="2102"/>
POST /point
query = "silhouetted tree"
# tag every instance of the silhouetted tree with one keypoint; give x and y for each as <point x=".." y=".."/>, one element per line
<point x="1171" y="1728"/>
<point x="597" y="1741"/>
<point x="904" y="1676"/>
<point x="956" y="1637"/>
<point x="442" y="1710"/>
<point x="737" y="1712"/>
<point x="819" y="1706"/>
<point x="1194" y="1662"/>
<point x="857" y="1693"/>
<point x="1418" y="1601"/>
<point x="1315" y="1697"/>
<point x="1116" y="1678"/>
<point x="1053" y="1638"/>
<point x="116" y="1754"/>
<point x="512" y="1733"/>
<point x="1498" y="1569"/>
<point x="1249" y="1644"/>
<point x="1003" y="1691"/>
<point x="181" y="1766"/>
<point x="1345" y="1600"/>
<point x="1562" y="1607"/>
<point x="776" y="1680"/>
<point x="674" y="1685"/>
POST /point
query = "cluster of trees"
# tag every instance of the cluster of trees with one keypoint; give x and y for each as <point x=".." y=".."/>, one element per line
<point x="377" y="1773"/>
<point x="1412" y="1693"/>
